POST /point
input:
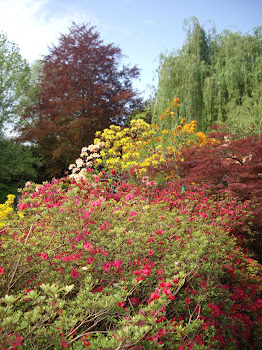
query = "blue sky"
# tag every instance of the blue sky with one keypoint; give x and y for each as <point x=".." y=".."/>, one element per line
<point x="141" y="28"/>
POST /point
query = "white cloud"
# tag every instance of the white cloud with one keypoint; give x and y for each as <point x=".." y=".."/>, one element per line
<point x="36" y="24"/>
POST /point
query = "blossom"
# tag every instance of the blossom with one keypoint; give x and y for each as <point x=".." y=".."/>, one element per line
<point x="74" y="273"/>
<point x="117" y="264"/>
<point x="151" y="252"/>
<point x="121" y="304"/>
<point x="87" y="245"/>
<point x="44" y="256"/>
<point x="107" y="267"/>
<point x="2" y="270"/>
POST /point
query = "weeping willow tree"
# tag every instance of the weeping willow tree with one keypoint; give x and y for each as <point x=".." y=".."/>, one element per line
<point x="213" y="74"/>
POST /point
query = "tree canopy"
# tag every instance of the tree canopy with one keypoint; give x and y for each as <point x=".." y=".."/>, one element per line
<point x="82" y="89"/>
<point x="216" y="76"/>
<point x="14" y="80"/>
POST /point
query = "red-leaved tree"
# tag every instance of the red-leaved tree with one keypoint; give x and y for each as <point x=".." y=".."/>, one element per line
<point x="82" y="88"/>
<point x="229" y="165"/>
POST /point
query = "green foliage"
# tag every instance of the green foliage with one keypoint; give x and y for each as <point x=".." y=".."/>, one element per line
<point x="14" y="81"/>
<point x="87" y="267"/>
<point x="17" y="166"/>
<point x="212" y="74"/>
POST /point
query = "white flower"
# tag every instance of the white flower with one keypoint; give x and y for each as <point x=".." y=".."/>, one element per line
<point x="96" y="155"/>
<point x="79" y="162"/>
<point x="71" y="166"/>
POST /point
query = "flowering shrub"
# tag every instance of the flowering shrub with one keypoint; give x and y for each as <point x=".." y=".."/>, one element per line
<point x="136" y="268"/>
<point x="140" y="149"/>
<point x="6" y="209"/>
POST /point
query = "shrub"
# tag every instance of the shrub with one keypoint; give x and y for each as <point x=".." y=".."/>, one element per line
<point x="139" y="150"/>
<point x="6" y="210"/>
<point x="133" y="268"/>
<point x="232" y="165"/>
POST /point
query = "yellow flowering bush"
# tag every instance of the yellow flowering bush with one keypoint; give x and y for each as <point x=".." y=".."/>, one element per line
<point x="140" y="147"/>
<point x="6" y="210"/>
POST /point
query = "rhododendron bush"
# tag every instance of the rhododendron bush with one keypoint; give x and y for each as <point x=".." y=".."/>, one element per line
<point x="84" y="265"/>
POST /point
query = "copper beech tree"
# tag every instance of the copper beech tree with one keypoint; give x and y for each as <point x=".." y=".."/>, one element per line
<point x="82" y="88"/>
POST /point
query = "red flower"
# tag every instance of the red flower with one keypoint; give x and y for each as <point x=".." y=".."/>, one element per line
<point x="63" y="344"/>
<point x="74" y="273"/>
<point x="1" y="270"/>
<point x="44" y="256"/>
<point x="87" y="245"/>
<point x="107" y="266"/>
<point x="121" y="304"/>
<point x="188" y="301"/>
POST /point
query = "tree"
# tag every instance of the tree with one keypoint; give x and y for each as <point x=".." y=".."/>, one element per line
<point x="213" y="74"/>
<point x="182" y="74"/>
<point x="14" y="80"/>
<point x="82" y="89"/>
<point x="17" y="166"/>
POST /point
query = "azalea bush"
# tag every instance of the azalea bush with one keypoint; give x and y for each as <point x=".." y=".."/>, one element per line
<point x="135" y="267"/>
<point x="6" y="210"/>
<point x="139" y="150"/>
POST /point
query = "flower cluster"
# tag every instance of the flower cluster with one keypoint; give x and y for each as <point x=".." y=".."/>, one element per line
<point x="139" y="148"/>
<point x="89" y="159"/>
<point x="6" y="210"/>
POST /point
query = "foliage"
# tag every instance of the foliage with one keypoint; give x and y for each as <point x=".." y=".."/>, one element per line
<point x="136" y="268"/>
<point x="232" y="165"/>
<point x="141" y="149"/>
<point x="17" y="166"/>
<point x="14" y="82"/>
<point x="213" y="74"/>
<point x="82" y="89"/>
<point x="6" y="210"/>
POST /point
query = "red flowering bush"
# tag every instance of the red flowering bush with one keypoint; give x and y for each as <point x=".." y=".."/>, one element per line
<point x="85" y="266"/>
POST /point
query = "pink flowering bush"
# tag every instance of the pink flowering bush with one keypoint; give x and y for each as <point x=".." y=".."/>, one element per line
<point x="86" y="267"/>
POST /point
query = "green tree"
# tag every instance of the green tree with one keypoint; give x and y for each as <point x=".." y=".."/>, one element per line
<point x="17" y="166"/>
<point x="214" y="75"/>
<point x="14" y="81"/>
<point x="182" y="74"/>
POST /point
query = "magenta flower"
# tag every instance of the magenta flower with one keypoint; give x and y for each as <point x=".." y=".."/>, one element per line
<point x="74" y="273"/>
<point x="87" y="245"/>
<point x="44" y="256"/>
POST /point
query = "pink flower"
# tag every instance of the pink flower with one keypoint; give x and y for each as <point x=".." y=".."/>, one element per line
<point x="121" y="304"/>
<point x="151" y="252"/>
<point x="64" y="344"/>
<point x="133" y="213"/>
<point x="117" y="264"/>
<point x="44" y="256"/>
<point x="87" y="214"/>
<point x="104" y="226"/>
<point x="159" y="232"/>
<point x="214" y="309"/>
<point x="188" y="301"/>
<point x="22" y="206"/>
<point x="1" y="270"/>
<point x="74" y="273"/>
<point x="87" y="245"/>
<point x="107" y="266"/>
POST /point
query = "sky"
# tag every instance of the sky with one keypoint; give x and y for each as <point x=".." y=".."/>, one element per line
<point x="142" y="29"/>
